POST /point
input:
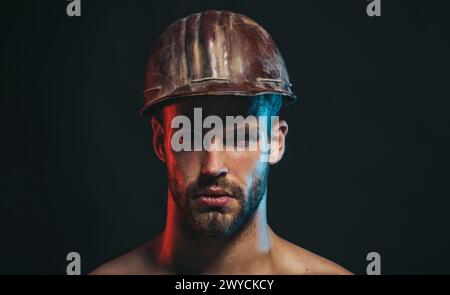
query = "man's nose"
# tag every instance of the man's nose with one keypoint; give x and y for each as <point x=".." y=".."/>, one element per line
<point x="213" y="165"/>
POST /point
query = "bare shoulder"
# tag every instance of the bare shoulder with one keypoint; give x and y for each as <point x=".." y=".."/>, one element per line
<point x="134" y="262"/>
<point x="294" y="259"/>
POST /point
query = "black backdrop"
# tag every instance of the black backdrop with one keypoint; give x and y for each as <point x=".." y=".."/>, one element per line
<point x="366" y="167"/>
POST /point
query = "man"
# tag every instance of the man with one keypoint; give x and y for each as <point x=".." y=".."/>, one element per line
<point x="205" y="69"/>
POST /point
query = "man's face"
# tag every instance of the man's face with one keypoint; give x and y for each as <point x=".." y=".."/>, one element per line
<point x="216" y="191"/>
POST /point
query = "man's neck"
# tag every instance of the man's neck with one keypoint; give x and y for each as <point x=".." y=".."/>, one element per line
<point x="249" y="251"/>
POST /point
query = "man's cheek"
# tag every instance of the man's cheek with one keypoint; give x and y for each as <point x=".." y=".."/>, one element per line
<point x="185" y="163"/>
<point x="245" y="161"/>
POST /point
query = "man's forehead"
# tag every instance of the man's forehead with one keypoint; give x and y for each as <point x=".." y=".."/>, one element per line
<point x="210" y="105"/>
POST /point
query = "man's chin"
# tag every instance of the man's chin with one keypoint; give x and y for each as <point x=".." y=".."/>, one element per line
<point x="214" y="224"/>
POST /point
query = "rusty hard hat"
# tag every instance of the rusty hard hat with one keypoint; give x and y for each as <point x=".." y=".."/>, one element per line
<point x="215" y="53"/>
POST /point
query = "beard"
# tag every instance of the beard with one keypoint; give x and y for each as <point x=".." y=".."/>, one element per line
<point x="219" y="223"/>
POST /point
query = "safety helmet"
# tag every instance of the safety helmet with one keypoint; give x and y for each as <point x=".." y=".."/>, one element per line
<point x="215" y="53"/>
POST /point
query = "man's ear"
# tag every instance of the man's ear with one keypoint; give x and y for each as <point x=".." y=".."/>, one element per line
<point x="158" y="138"/>
<point x="278" y="141"/>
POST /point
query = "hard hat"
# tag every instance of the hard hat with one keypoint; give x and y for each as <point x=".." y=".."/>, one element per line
<point x="215" y="53"/>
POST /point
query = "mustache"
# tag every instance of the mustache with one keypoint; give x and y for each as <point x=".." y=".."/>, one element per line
<point x="215" y="186"/>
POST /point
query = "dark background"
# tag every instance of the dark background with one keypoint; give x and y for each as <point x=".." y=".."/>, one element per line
<point x="367" y="162"/>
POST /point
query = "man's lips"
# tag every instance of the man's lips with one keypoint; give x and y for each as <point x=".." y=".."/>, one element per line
<point x="213" y="197"/>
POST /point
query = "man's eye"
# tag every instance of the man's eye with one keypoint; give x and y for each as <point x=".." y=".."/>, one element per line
<point x="247" y="137"/>
<point x="241" y="139"/>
